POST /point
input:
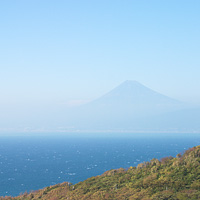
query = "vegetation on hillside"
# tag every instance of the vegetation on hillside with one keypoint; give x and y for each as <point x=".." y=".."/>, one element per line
<point x="170" y="178"/>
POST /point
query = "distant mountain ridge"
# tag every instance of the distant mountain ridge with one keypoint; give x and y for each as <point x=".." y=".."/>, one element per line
<point x="132" y="106"/>
<point x="134" y="94"/>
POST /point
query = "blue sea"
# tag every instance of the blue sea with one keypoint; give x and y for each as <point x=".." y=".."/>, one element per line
<point x="33" y="161"/>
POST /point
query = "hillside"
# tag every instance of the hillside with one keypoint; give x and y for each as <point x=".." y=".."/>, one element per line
<point x="169" y="178"/>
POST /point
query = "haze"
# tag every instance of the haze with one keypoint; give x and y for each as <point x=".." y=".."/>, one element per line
<point x="56" y="55"/>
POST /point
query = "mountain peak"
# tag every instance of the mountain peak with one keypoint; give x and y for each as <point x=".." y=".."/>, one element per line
<point x="131" y="88"/>
<point x="126" y="106"/>
<point x="134" y="93"/>
<point x="130" y="82"/>
<point x="132" y="85"/>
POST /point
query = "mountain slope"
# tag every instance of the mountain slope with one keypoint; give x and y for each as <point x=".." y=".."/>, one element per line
<point x="127" y="107"/>
<point x="132" y="92"/>
<point x="170" y="178"/>
<point x="133" y="95"/>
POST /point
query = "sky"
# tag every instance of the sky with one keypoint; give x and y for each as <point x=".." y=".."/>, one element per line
<point x="70" y="52"/>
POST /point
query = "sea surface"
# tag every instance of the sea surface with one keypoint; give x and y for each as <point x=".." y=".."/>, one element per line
<point x="33" y="161"/>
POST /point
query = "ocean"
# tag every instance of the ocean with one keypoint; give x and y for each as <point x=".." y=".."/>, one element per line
<point x="33" y="161"/>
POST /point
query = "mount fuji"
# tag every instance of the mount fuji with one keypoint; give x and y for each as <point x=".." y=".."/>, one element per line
<point x="133" y="107"/>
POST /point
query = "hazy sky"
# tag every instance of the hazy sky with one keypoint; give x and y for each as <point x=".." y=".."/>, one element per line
<point x="53" y="52"/>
